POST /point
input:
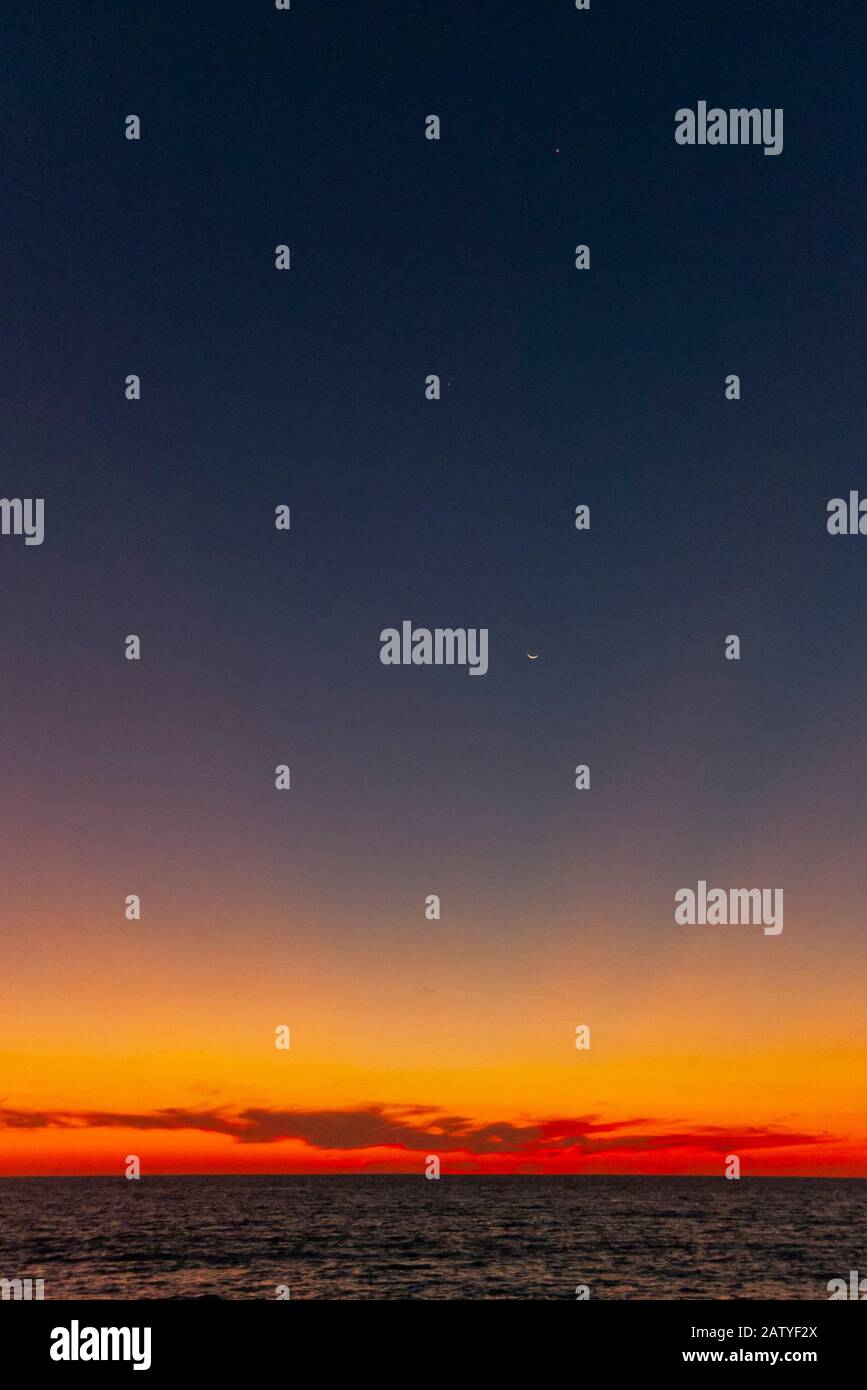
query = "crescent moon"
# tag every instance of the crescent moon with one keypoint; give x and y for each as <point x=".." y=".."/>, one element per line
<point x="531" y="657"/>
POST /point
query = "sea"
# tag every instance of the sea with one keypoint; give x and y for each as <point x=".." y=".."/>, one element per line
<point x="393" y="1237"/>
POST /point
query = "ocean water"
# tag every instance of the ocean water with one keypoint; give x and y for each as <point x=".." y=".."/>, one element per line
<point x="407" y="1237"/>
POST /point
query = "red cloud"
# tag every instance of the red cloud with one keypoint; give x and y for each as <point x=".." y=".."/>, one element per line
<point x="543" y="1145"/>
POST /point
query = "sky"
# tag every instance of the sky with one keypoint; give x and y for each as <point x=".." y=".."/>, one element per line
<point x="306" y="388"/>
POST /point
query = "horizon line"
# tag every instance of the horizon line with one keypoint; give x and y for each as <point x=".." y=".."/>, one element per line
<point x="675" y="1177"/>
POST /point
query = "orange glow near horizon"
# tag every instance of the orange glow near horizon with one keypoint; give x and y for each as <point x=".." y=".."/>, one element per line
<point x="160" y="1042"/>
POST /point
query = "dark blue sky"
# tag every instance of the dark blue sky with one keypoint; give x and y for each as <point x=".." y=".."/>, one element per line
<point x="411" y="257"/>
